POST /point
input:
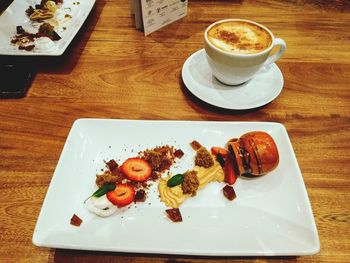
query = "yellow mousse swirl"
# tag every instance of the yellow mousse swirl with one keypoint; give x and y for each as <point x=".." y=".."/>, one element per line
<point x="173" y="196"/>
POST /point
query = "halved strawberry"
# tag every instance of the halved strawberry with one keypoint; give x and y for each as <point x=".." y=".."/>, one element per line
<point x="136" y="169"/>
<point x="229" y="171"/>
<point x="233" y="148"/>
<point x="215" y="150"/>
<point x="122" y="195"/>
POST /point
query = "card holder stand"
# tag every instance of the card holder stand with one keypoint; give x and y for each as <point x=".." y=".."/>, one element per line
<point x="151" y="15"/>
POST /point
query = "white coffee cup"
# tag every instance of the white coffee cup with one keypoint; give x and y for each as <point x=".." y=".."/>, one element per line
<point x="234" y="62"/>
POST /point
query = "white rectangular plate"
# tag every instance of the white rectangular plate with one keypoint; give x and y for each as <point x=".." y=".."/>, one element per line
<point x="270" y="216"/>
<point x="67" y="27"/>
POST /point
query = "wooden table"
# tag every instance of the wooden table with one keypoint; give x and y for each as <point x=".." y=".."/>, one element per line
<point x="112" y="70"/>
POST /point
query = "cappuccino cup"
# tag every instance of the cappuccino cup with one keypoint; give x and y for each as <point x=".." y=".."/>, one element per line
<point x="236" y="49"/>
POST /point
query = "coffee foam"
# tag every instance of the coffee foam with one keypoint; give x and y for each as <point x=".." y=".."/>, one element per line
<point x="239" y="37"/>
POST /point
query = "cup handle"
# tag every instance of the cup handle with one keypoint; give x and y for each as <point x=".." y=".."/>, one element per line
<point x="282" y="45"/>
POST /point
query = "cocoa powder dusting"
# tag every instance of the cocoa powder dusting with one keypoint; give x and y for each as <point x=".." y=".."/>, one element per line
<point x="228" y="37"/>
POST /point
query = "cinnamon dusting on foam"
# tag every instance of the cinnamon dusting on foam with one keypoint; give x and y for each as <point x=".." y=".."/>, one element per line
<point x="239" y="37"/>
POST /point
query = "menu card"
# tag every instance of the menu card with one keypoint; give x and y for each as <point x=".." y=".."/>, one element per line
<point x="151" y="15"/>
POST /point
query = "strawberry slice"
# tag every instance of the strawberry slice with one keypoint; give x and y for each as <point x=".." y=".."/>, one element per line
<point x="215" y="150"/>
<point x="233" y="148"/>
<point x="122" y="195"/>
<point x="229" y="171"/>
<point x="136" y="169"/>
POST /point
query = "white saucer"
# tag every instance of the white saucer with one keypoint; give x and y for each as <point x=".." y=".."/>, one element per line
<point x="260" y="90"/>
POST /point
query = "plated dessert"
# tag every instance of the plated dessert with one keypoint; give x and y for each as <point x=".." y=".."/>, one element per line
<point x="270" y="207"/>
<point x="44" y="19"/>
<point x="22" y="34"/>
<point x="254" y="154"/>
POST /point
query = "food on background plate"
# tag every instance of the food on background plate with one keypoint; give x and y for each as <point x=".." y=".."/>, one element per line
<point x="27" y="41"/>
<point x="40" y="33"/>
<point x="45" y="10"/>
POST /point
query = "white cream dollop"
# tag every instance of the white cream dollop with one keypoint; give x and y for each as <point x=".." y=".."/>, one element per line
<point x="43" y="43"/>
<point x="101" y="206"/>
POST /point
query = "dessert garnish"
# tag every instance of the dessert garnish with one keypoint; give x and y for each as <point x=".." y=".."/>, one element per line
<point x="104" y="189"/>
<point x="174" y="214"/>
<point x="190" y="183"/>
<point x="140" y="195"/>
<point x="122" y="195"/>
<point x="175" y="180"/>
<point x="229" y="192"/>
<point x="76" y="220"/>
<point x="136" y="169"/>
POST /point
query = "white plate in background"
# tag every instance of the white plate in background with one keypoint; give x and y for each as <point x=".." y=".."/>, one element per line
<point x="67" y="27"/>
<point x="271" y="215"/>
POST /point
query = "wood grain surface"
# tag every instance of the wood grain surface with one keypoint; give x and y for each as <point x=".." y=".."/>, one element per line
<point x="111" y="70"/>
